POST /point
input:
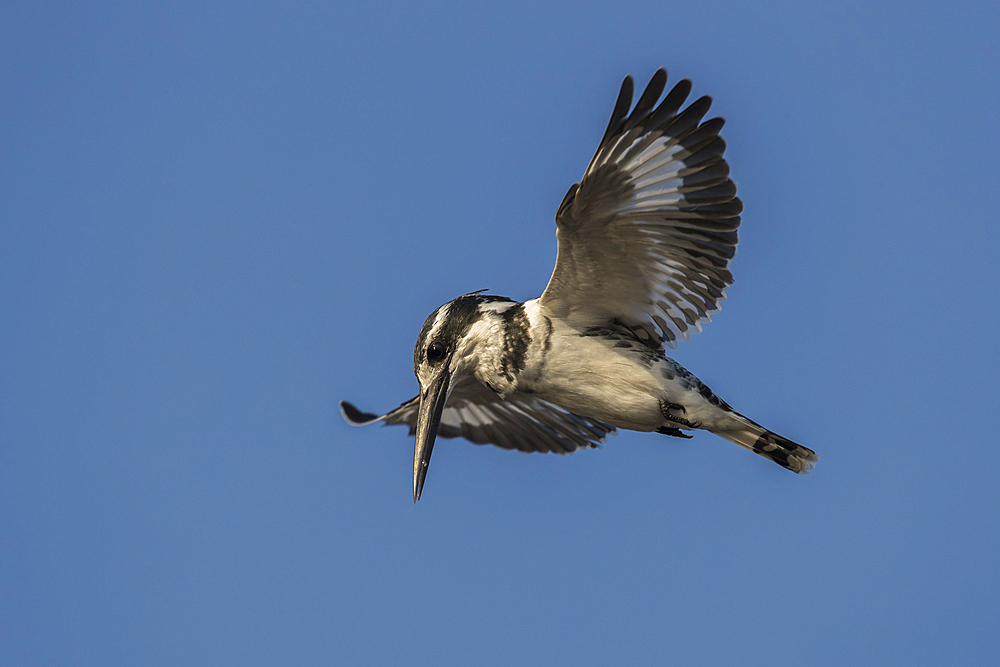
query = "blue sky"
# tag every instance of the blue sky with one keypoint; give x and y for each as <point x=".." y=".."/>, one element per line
<point x="218" y="221"/>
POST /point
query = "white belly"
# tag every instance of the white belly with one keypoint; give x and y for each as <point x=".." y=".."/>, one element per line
<point x="588" y="377"/>
<point x="626" y="385"/>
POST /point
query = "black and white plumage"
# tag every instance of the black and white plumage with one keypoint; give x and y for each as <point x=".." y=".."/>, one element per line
<point x="522" y="422"/>
<point x="645" y="243"/>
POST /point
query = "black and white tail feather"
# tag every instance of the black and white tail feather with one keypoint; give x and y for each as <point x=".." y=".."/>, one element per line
<point x="768" y="444"/>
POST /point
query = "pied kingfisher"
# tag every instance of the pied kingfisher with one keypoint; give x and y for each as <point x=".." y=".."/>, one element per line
<point x="645" y="243"/>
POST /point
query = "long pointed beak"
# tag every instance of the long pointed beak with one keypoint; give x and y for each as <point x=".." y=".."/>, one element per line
<point x="432" y="400"/>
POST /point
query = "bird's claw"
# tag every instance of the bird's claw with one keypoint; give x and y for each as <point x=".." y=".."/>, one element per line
<point x="665" y="408"/>
<point x="676" y="432"/>
<point x="684" y="422"/>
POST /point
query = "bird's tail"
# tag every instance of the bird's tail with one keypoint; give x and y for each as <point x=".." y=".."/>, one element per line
<point x="787" y="454"/>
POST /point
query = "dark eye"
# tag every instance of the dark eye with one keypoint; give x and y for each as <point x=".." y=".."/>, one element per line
<point x="435" y="352"/>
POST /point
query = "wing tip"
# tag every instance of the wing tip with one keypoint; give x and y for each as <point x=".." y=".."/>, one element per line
<point x="356" y="417"/>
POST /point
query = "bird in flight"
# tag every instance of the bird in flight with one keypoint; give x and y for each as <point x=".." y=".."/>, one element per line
<point x="645" y="243"/>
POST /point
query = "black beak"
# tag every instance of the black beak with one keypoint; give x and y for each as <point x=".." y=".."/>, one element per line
<point x="432" y="399"/>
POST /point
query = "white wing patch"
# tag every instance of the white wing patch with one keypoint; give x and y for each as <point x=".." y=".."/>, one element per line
<point x="646" y="238"/>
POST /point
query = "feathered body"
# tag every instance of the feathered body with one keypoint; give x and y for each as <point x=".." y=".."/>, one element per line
<point x="645" y="243"/>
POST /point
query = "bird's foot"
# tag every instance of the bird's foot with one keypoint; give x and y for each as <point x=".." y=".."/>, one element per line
<point x="665" y="408"/>
<point x="676" y="432"/>
<point x="687" y="423"/>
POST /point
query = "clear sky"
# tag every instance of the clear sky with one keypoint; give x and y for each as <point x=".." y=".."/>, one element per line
<point x="219" y="219"/>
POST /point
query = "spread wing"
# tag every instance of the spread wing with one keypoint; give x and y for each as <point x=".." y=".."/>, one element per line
<point x="477" y="414"/>
<point x="647" y="236"/>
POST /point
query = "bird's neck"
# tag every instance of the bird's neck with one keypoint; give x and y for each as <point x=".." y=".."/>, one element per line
<point x="496" y="347"/>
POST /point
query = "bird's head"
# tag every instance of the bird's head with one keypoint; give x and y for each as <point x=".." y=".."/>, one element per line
<point x="461" y="338"/>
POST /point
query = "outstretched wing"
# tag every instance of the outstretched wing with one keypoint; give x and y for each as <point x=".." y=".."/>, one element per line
<point x="647" y="236"/>
<point x="477" y="414"/>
